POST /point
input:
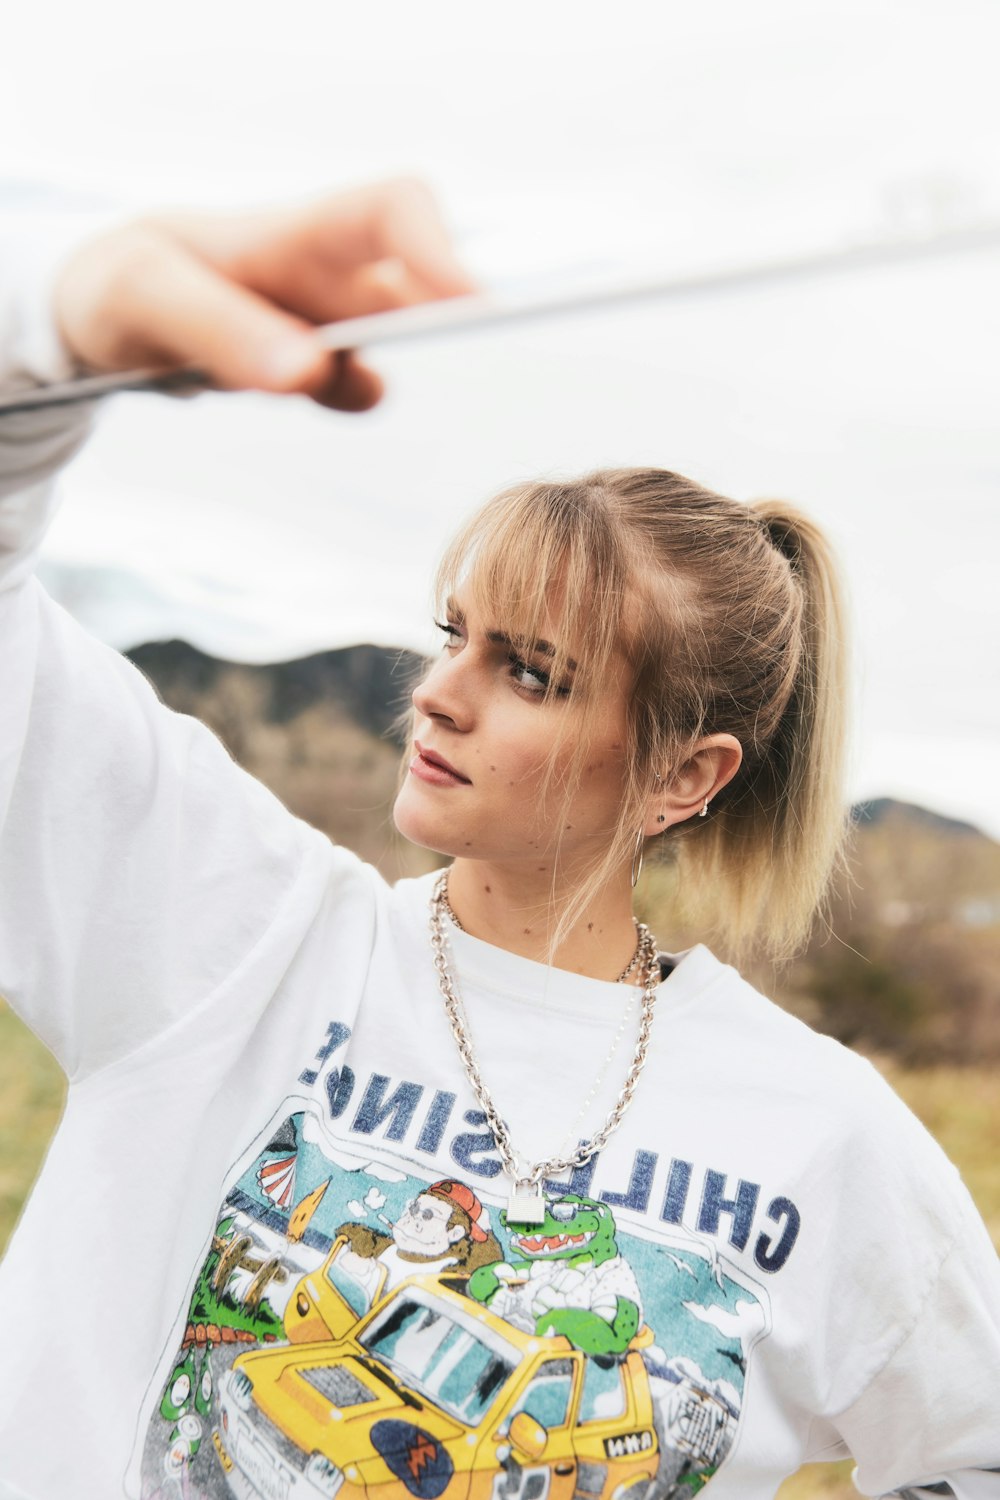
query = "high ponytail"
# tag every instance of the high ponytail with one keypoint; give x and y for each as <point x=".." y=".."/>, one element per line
<point x="766" y="860"/>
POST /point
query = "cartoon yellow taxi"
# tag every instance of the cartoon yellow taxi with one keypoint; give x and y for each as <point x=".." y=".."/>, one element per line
<point x="433" y="1395"/>
<point x="327" y="1303"/>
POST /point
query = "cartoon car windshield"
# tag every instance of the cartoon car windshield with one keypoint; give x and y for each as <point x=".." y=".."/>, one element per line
<point x="347" y="1285"/>
<point x="439" y="1357"/>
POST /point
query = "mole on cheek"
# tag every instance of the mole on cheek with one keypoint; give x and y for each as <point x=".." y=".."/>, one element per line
<point x="488" y="889"/>
<point x="492" y="768"/>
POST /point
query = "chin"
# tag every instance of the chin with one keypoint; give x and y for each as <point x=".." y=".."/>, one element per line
<point x="422" y="827"/>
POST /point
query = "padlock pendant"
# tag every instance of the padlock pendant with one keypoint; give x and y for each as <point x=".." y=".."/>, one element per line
<point x="526" y="1204"/>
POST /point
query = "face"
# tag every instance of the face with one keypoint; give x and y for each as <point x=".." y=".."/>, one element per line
<point x="485" y="735"/>
<point x="422" y="1228"/>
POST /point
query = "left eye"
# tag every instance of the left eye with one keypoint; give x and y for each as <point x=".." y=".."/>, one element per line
<point x="527" y="676"/>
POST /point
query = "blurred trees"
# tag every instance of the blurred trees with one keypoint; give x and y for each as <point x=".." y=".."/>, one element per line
<point x="911" y="962"/>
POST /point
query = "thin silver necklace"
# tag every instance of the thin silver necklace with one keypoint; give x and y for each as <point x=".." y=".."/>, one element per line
<point x="527" y="1202"/>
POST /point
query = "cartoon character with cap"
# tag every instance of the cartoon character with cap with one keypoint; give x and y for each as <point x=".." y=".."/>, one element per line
<point x="444" y="1228"/>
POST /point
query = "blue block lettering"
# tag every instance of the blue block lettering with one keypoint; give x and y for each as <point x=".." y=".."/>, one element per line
<point x="437" y="1119"/>
<point x="339" y="1088"/>
<point x="773" y="1259"/>
<point x="678" y="1186"/>
<point x="714" y="1203"/>
<point x="640" y="1184"/>
<point x="468" y="1149"/>
<point x="399" y="1108"/>
<point x="336" y="1036"/>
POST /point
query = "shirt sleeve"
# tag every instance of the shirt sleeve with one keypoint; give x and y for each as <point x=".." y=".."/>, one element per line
<point x="928" y="1423"/>
<point x="139" y="866"/>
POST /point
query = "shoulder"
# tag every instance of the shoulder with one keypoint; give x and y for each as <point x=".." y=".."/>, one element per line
<point x="802" y="1081"/>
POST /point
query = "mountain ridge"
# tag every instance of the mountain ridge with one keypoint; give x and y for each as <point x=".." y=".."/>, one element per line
<point x="370" y="685"/>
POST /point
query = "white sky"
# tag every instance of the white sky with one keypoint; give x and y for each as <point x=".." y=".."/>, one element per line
<point x="563" y="136"/>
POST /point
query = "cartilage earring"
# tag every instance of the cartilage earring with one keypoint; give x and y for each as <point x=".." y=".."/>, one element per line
<point x="662" y="818"/>
<point x="704" y="809"/>
<point x="640" y="839"/>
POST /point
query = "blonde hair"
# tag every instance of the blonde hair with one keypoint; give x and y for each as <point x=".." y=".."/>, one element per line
<point x="730" y="616"/>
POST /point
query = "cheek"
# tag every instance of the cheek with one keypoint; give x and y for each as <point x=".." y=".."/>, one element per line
<point x="603" y="773"/>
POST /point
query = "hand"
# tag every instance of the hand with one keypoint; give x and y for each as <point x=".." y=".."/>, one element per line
<point x="238" y="295"/>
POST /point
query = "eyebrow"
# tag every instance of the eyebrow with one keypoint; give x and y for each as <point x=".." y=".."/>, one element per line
<point x="512" y="643"/>
<point x="532" y="648"/>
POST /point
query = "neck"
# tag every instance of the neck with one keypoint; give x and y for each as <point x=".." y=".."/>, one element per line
<point x="502" y="906"/>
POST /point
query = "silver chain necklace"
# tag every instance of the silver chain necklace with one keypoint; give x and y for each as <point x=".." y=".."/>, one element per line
<point x="527" y="1202"/>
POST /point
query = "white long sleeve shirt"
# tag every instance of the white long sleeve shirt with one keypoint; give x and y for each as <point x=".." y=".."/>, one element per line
<point x="258" y="1054"/>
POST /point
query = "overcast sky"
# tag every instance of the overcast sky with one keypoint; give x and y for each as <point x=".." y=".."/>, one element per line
<point x="564" y="137"/>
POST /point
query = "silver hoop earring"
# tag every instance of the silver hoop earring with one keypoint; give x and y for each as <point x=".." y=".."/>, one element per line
<point x="704" y="810"/>
<point x="640" y="840"/>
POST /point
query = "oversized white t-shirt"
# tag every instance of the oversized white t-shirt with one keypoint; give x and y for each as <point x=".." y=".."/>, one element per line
<point x="268" y="1255"/>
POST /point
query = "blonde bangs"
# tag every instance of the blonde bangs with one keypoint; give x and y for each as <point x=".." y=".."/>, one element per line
<point x="543" y="562"/>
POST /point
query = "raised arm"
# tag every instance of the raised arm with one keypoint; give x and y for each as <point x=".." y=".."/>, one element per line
<point x="138" y="865"/>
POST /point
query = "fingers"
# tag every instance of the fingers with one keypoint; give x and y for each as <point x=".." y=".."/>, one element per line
<point x="368" y="250"/>
<point x="141" y="298"/>
<point x="396" y="221"/>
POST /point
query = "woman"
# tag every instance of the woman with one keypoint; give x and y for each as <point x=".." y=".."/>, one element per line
<point x="458" y="1187"/>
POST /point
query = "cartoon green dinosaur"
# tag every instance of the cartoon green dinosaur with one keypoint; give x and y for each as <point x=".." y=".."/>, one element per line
<point x="566" y="1277"/>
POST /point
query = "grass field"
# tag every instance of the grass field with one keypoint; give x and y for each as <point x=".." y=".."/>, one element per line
<point x="960" y="1106"/>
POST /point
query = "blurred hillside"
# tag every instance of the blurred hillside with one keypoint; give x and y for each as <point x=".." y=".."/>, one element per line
<point x="910" y="962"/>
<point x="319" y="731"/>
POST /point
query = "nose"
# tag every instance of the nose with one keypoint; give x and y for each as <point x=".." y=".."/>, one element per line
<point x="444" y="692"/>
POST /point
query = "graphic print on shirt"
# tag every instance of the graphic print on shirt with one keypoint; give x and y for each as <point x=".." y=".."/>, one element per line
<point x="358" y="1327"/>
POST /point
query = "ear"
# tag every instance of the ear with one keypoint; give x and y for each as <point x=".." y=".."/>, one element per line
<point x="682" y="795"/>
<point x="455" y="1233"/>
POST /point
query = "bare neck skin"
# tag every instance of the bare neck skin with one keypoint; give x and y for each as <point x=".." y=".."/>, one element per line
<point x="504" y="906"/>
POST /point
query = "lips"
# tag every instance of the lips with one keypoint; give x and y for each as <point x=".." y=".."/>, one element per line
<point x="432" y="767"/>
